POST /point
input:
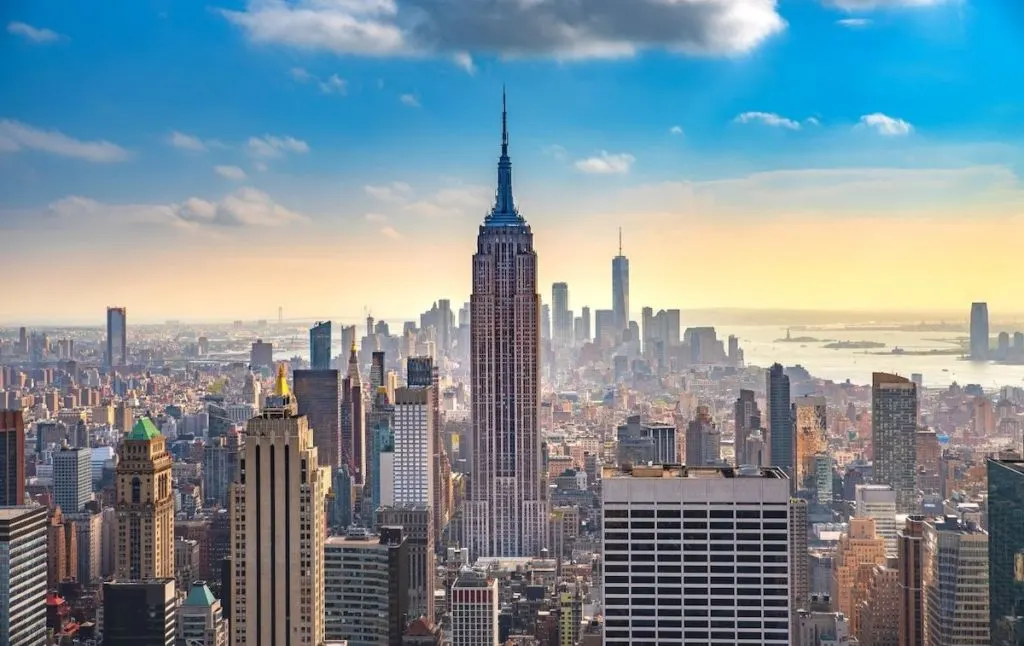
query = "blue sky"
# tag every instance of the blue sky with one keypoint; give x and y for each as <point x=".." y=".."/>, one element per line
<point x="171" y="131"/>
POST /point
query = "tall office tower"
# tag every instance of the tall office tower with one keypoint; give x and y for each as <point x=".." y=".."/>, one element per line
<point x="506" y="510"/>
<point x="620" y="290"/>
<point x="954" y="568"/>
<point x="561" y="317"/>
<point x="585" y="317"/>
<point x="220" y="463"/>
<point x="417" y="523"/>
<point x="380" y="423"/>
<point x="145" y="505"/>
<point x="979" y="331"/>
<point x="278" y="529"/>
<point x="604" y="329"/>
<point x="353" y="433"/>
<point x="200" y="618"/>
<point x="474" y="610"/>
<point x="878" y="502"/>
<point x="781" y="449"/>
<point x="340" y="515"/>
<point x="414" y="446"/>
<point x="648" y="333"/>
<point x="894" y="437"/>
<point x="751" y="507"/>
<point x="703" y="440"/>
<point x="811" y="436"/>
<point x="319" y="395"/>
<point x="12" y="458"/>
<point x="139" y="612"/>
<point x="799" y="557"/>
<point x="117" y="337"/>
<point x="261" y="356"/>
<point x="88" y="527"/>
<point x="859" y="545"/>
<point x="72" y="479"/>
<point x="348" y="337"/>
<point x="421" y="372"/>
<point x="251" y="391"/>
<point x="22" y="341"/>
<point x="545" y="321"/>
<point x="1006" y="551"/>
<point x="366" y="587"/>
<point x="320" y="346"/>
<point x="909" y="545"/>
<point x="23" y="576"/>
<point x="747" y="421"/>
<point x="376" y="370"/>
<point x="444" y="328"/>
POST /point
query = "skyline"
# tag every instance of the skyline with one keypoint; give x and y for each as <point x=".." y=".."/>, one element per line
<point x="296" y="152"/>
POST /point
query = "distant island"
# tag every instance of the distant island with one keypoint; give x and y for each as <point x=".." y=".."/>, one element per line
<point x="853" y="345"/>
<point x="798" y="339"/>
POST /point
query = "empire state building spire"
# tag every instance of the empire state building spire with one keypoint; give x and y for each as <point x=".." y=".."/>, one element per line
<point x="504" y="212"/>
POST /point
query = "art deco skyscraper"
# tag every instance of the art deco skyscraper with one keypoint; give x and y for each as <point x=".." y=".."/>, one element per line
<point x="278" y="529"/>
<point x="506" y="511"/>
<point x="620" y="291"/>
<point x="145" y="505"/>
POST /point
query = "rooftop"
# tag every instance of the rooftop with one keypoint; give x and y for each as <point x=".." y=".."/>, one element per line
<point x="683" y="471"/>
<point x="200" y="595"/>
<point x="143" y="430"/>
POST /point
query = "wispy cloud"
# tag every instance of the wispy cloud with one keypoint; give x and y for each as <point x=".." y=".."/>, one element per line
<point x="230" y="172"/>
<point x="16" y="136"/>
<point x="854" y="23"/>
<point x="886" y="125"/>
<point x="606" y="163"/>
<point x="188" y="142"/>
<point x="676" y="130"/>
<point x="33" y="34"/>
<point x="409" y="100"/>
<point x="377" y="218"/>
<point x="768" y="119"/>
<point x="870" y="5"/>
<point x="465" y="61"/>
<point x="333" y="84"/>
<point x="269" y="146"/>
<point x="300" y="74"/>
<point x="390" y="232"/>
<point x="393" y="192"/>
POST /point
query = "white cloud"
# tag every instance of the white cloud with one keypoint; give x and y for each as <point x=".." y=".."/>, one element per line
<point x="393" y="192"/>
<point x="561" y="28"/>
<point x="16" y="136"/>
<point x="869" y="5"/>
<point x="230" y="172"/>
<point x="452" y="200"/>
<point x="465" y="61"/>
<point x="886" y="125"/>
<point x="676" y="130"/>
<point x="186" y="142"/>
<point x="34" y="34"/>
<point x="376" y="217"/>
<point x="269" y="146"/>
<point x="606" y="163"/>
<point x="812" y="121"/>
<point x="334" y="85"/>
<point x="300" y="74"/>
<point x="390" y="232"/>
<point x="409" y="100"/>
<point x="768" y="119"/>
<point x="854" y="23"/>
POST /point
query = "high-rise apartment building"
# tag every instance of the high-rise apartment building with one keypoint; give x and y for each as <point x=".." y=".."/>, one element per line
<point x="620" y="291"/>
<point x="954" y="568"/>
<point x="721" y="538"/>
<point x="909" y="545"/>
<point x="23" y="575"/>
<point x="414" y="446"/>
<point x="145" y="505"/>
<point x="781" y="448"/>
<point x="474" y="610"/>
<point x="319" y="400"/>
<point x="320" y="346"/>
<point x="278" y="529"/>
<point x="747" y="421"/>
<point x="858" y="546"/>
<point x="353" y="420"/>
<point x="72" y="479"/>
<point x="561" y="316"/>
<point x="366" y="587"/>
<point x="811" y="436"/>
<point x="139" y="612"/>
<point x="1006" y="551"/>
<point x="979" y="331"/>
<point x="799" y="557"/>
<point x="117" y="337"/>
<point x="506" y="510"/>
<point x="894" y="437"/>
<point x="12" y="458"/>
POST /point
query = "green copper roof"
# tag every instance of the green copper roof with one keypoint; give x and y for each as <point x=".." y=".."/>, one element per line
<point x="144" y="429"/>
<point x="200" y="595"/>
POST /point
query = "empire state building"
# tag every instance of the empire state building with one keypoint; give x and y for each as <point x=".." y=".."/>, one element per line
<point x="506" y="512"/>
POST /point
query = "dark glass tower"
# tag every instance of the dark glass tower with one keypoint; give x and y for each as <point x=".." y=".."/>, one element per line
<point x="781" y="448"/>
<point x="320" y="346"/>
<point x="1006" y="551"/>
<point x="319" y="395"/>
<point x="117" y="336"/>
<point x="506" y="511"/>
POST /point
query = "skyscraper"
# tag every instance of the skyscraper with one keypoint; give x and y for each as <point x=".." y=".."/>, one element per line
<point x="1006" y="551"/>
<point x="747" y="420"/>
<point x="319" y="399"/>
<point x="414" y="446"/>
<point x="23" y="576"/>
<point x="145" y="505"/>
<point x="585" y="324"/>
<point x="810" y="421"/>
<point x="320" y="346"/>
<point x="353" y="437"/>
<point x="12" y="458"/>
<point x="278" y="529"/>
<point x="894" y="437"/>
<point x="955" y="584"/>
<point x="72" y="479"/>
<point x="506" y="511"/>
<point x="561" y="317"/>
<point x="620" y="291"/>
<point x="979" y="331"/>
<point x="911" y="622"/>
<point x="781" y="449"/>
<point x="117" y="336"/>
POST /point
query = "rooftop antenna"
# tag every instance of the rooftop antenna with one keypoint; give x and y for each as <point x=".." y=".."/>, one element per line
<point x="620" y="241"/>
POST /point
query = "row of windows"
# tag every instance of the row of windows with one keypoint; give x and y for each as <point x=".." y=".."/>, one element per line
<point x="690" y="512"/>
